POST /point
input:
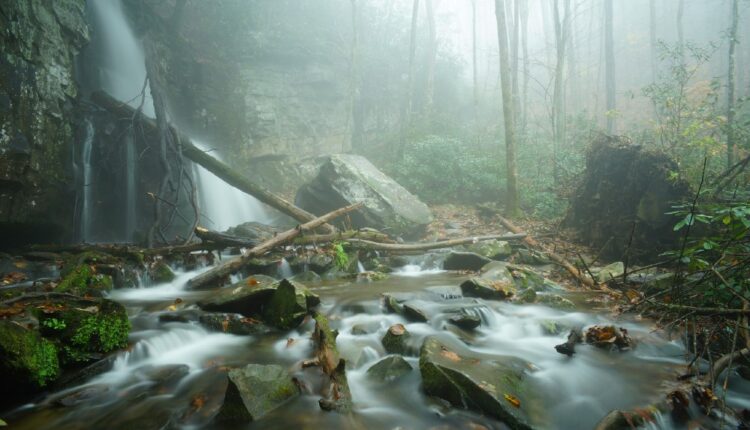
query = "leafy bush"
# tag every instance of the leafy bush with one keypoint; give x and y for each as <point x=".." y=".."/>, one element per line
<point x="446" y="170"/>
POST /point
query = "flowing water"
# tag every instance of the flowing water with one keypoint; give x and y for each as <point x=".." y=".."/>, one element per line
<point x="88" y="142"/>
<point x="173" y="366"/>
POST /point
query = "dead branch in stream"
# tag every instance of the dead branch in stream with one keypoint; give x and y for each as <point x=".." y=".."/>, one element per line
<point x="126" y="251"/>
<point x="219" y="273"/>
<point x="218" y="168"/>
<point x="410" y="247"/>
<point x="552" y="255"/>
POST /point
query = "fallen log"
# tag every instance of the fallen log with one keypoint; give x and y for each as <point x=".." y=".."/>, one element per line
<point x="221" y="272"/>
<point x="410" y="247"/>
<point x="223" y="239"/>
<point x="126" y="251"/>
<point x="218" y="168"/>
<point x="552" y="256"/>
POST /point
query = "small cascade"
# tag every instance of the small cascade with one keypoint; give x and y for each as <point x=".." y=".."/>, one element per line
<point x="360" y="267"/>
<point x="88" y="185"/>
<point x="285" y="270"/>
<point x="223" y="206"/>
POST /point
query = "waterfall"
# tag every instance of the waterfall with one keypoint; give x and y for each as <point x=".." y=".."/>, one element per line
<point x="88" y="142"/>
<point x="223" y="206"/>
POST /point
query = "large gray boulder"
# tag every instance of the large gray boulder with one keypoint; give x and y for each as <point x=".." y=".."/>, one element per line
<point x="254" y="391"/>
<point x="346" y="179"/>
<point x="498" y="387"/>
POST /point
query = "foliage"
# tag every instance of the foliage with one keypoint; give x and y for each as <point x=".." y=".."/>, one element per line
<point x="688" y="124"/>
<point x="54" y="324"/>
<point x="340" y="257"/>
<point x="719" y="253"/>
<point x="446" y="170"/>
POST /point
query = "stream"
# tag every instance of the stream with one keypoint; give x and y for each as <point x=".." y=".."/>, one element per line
<point x="173" y="371"/>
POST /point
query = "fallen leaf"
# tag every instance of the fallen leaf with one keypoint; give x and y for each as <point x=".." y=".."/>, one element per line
<point x="251" y="282"/>
<point x="513" y="400"/>
<point x="450" y="355"/>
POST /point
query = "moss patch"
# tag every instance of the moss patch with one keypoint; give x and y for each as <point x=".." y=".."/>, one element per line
<point x="29" y="361"/>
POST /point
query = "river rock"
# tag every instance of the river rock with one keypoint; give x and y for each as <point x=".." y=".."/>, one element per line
<point x="287" y="307"/>
<point x="253" y="231"/>
<point x="159" y="272"/>
<point x="84" y="280"/>
<point x="495" y="387"/>
<point x="409" y="309"/>
<point x="465" y="321"/>
<point x="348" y="179"/>
<point x="232" y="323"/>
<point x="396" y="339"/>
<point x="610" y="271"/>
<point x="493" y="249"/>
<point x="555" y="301"/>
<point x="389" y="369"/>
<point x="254" y="391"/>
<point x="487" y="289"/>
<point x="29" y="361"/>
<point x="496" y="271"/>
<point x="526" y="277"/>
<point x="464" y="261"/>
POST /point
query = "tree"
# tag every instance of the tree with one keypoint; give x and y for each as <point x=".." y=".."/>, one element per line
<point x="731" y="138"/>
<point x="406" y="110"/>
<point x="558" y="99"/>
<point x="609" y="65"/>
<point x="431" y="56"/>
<point x="512" y="205"/>
<point x="474" y="56"/>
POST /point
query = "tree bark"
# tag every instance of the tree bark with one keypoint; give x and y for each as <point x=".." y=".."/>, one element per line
<point x="219" y="273"/>
<point x="609" y="64"/>
<point x="409" y="96"/>
<point x="410" y="247"/>
<point x="512" y="205"/>
<point x="431" y="58"/>
<point x="218" y="168"/>
<point x="558" y="99"/>
<point x="731" y="134"/>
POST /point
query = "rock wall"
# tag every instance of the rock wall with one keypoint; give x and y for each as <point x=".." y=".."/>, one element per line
<point x="38" y="43"/>
<point x="275" y="84"/>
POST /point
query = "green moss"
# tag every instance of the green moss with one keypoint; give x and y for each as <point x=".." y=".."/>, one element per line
<point x="161" y="273"/>
<point x="28" y="359"/>
<point x="287" y="307"/>
<point x="84" y="280"/>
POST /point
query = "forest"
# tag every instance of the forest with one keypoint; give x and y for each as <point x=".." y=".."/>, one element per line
<point x="375" y="214"/>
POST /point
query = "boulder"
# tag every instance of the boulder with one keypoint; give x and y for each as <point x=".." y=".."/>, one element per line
<point x="84" y="280"/>
<point x="465" y="321"/>
<point x="493" y="249"/>
<point x="409" y="309"/>
<point x="347" y="179"/>
<point x="555" y="301"/>
<point x="496" y="387"/>
<point x="160" y="273"/>
<point x="525" y="277"/>
<point x="487" y="289"/>
<point x="389" y="369"/>
<point x="464" y="261"/>
<point x="254" y="391"/>
<point x="610" y="271"/>
<point x="232" y="323"/>
<point x="396" y="339"/>
<point x="29" y="361"/>
<point x="282" y="304"/>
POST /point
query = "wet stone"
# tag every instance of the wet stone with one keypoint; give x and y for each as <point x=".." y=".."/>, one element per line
<point x="254" y="391"/>
<point x="396" y="339"/>
<point x="389" y="369"/>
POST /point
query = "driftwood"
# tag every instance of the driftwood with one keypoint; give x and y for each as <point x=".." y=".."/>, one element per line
<point x="221" y="272"/>
<point x="338" y="398"/>
<point x="125" y="251"/>
<point x="224" y="239"/>
<point x="218" y="168"/>
<point x="553" y="256"/>
<point x="409" y="247"/>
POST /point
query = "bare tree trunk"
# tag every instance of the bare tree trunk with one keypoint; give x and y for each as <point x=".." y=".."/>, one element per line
<point x="731" y="138"/>
<point x="516" y="4"/>
<point x="525" y="48"/>
<point x="474" y="57"/>
<point x="609" y="64"/>
<point x="431" y="58"/>
<point x="408" y="97"/>
<point x="558" y="98"/>
<point x="510" y="145"/>
<point x="355" y="108"/>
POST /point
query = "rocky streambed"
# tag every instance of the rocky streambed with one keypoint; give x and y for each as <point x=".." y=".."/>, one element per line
<point x="421" y="347"/>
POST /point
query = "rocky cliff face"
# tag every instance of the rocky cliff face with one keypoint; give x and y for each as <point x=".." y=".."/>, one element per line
<point x="271" y="85"/>
<point x="38" y="43"/>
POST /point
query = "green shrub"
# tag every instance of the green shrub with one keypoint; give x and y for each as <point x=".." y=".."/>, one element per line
<point x="445" y="170"/>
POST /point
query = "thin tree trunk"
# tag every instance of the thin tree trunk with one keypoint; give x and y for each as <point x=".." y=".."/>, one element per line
<point x="525" y="48"/>
<point x="431" y="58"/>
<point x="558" y="99"/>
<point x="731" y="138"/>
<point x="516" y="4"/>
<point x="409" y="96"/>
<point x="510" y="144"/>
<point x="474" y="57"/>
<point x="609" y="64"/>
<point x="355" y="107"/>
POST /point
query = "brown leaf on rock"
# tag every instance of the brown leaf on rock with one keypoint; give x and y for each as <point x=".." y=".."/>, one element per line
<point x="513" y="400"/>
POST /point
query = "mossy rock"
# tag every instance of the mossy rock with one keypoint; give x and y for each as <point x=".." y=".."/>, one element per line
<point x="465" y="261"/>
<point x="160" y="273"/>
<point x="85" y="329"/>
<point x="83" y="280"/>
<point x="287" y="307"/>
<point x="255" y="390"/>
<point x="29" y="362"/>
<point x="498" y="387"/>
<point x="493" y="249"/>
<point x="525" y="277"/>
<point x="396" y="339"/>
<point x="487" y="289"/>
<point x="389" y="369"/>
<point x="555" y="301"/>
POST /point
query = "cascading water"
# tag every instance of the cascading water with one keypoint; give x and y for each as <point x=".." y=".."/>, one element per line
<point x="131" y="187"/>
<point x="223" y="206"/>
<point x="88" y="142"/>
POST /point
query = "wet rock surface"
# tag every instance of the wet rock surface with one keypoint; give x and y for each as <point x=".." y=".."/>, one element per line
<point x="254" y="391"/>
<point x="348" y="179"/>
